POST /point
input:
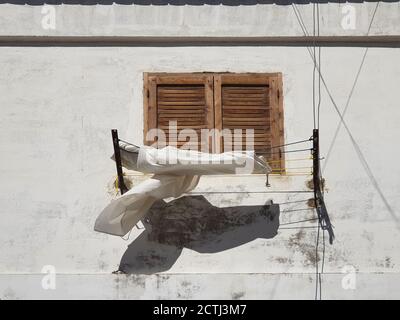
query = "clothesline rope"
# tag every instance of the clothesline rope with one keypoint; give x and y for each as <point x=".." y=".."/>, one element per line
<point x="291" y="143"/>
<point x="290" y="160"/>
<point x="300" y="221"/>
<point x="290" y="151"/>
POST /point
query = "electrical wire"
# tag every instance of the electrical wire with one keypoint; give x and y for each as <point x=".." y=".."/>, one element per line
<point x="314" y="70"/>
<point x="322" y="264"/>
<point x="317" y="284"/>
<point x="315" y="67"/>
<point x="318" y="274"/>
<point x="319" y="73"/>
<point x="328" y="154"/>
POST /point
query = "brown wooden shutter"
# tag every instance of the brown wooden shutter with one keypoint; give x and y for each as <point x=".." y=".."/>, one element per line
<point x="185" y="98"/>
<point x="252" y="101"/>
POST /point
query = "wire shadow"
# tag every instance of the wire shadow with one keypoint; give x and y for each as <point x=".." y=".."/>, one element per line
<point x="194" y="223"/>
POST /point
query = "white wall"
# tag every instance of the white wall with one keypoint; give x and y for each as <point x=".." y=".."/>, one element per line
<point x="58" y="105"/>
<point x="274" y="20"/>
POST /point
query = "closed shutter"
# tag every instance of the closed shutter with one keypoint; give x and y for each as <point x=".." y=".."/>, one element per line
<point x="184" y="98"/>
<point x="251" y="101"/>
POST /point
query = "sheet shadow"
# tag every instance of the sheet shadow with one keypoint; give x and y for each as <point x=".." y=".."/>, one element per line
<point x="194" y="223"/>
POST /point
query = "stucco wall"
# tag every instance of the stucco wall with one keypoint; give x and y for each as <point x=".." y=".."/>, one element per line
<point x="168" y="19"/>
<point x="58" y="105"/>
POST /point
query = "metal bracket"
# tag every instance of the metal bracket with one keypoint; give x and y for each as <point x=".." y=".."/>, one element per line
<point x="117" y="155"/>
<point x="322" y="212"/>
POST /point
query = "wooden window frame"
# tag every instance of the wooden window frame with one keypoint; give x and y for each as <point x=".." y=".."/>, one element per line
<point x="213" y="83"/>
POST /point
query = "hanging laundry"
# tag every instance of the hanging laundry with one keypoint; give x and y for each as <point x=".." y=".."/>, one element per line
<point x="176" y="172"/>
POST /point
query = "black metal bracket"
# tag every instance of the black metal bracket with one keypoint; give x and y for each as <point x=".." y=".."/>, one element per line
<point x="117" y="154"/>
<point x="322" y="212"/>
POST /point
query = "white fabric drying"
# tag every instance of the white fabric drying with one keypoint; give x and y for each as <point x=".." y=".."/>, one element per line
<point x="175" y="171"/>
<point x="122" y="214"/>
<point x="170" y="160"/>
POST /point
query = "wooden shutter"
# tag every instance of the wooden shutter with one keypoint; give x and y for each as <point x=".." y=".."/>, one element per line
<point x="252" y="101"/>
<point x="185" y="98"/>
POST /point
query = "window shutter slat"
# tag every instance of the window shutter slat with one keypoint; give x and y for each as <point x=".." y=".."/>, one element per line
<point x="246" y="101"/>
<point x="220" y="101"/>
<point x="186" y="99"/>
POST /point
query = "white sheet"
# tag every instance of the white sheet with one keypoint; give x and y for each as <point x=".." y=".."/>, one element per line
<point x="170" y="160"/>
<point x="175" y="173"/>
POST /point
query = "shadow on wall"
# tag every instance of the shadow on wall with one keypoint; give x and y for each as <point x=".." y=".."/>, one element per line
<point x="192" y="222"/>
<point x="181" y="2"/>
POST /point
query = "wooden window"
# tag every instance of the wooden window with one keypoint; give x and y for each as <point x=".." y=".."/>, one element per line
<point x="187" y="99"/>
<point x="221" y="101"/>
